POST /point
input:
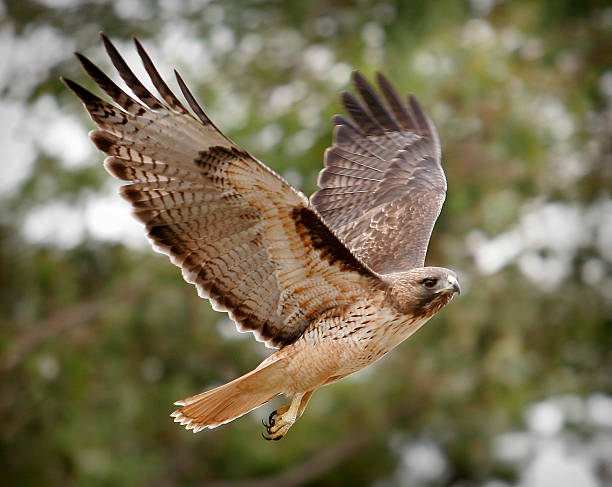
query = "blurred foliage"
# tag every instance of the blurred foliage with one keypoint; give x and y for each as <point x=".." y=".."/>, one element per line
<point x="99" y="339"/>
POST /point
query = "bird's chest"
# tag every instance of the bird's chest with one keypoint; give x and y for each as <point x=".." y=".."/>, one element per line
<point x="389" y="330"/>
<point x="364" y="333"/>
<point x="337" y="345"/>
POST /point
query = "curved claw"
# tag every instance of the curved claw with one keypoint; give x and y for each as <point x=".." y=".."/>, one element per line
<point x="271" y="421"/>
<point x="271" y="418"/>
<point x="267" y="438"/>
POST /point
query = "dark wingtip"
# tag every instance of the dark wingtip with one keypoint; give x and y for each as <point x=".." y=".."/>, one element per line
<point x="419" y="113"/>
<point x="138" y="44"/>
<point x="345" y="96"/>
<point x="86" y="63"/>
<point x="77" y="89"/>
<point x="414" y="103"/>
<point x="358" y="77"/>
<point x="66" y="82"/>
<point x="107" y="42"/>
<point x="381" y="79"/>
<point x="195" y="106"/>
<point x="358" y="80"/>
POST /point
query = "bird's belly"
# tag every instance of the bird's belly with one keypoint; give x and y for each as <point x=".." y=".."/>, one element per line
<point x="338" y="348"/>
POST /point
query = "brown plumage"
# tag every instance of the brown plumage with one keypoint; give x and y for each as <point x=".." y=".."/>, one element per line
<point x="334" y="282"/>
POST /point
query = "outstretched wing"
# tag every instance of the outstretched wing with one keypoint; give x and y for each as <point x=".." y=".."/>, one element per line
<point x="240" y="233"/>
<point x="383" y="186"/>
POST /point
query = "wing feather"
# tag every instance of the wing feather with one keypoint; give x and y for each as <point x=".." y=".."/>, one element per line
<point x="195" y="106"/>
<point x="247" y="240"/>
<point x="373" y="102"/>
<point x="383" y="186"/>
<point x="360" y="114"/>
<point x="128" y="76"/>
<point x="161" y="86"/>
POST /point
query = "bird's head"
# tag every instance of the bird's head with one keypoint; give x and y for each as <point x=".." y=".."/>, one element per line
<point x="422" y="291"/>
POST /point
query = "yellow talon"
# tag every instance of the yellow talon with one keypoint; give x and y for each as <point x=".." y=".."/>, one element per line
<point x="283" y="418"/>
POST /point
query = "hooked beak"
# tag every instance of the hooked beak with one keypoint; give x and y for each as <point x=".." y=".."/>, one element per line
<point x="453" y="286"/>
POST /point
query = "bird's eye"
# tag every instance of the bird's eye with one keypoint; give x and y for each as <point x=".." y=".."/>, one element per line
<point x="430" y="283"/>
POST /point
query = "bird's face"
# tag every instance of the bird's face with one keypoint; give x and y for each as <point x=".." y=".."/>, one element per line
<point x="423" y="291"/>
<point x="439" y="281"/>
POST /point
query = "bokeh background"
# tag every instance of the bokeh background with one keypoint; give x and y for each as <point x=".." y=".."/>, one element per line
<point x="510" y="385"/>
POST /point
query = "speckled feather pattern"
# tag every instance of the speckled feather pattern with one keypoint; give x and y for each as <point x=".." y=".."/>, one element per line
<point x="335" y="346"/>
<point x="334" y="282"/>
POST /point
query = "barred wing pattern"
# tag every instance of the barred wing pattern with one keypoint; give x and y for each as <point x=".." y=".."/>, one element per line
<point x="383" y="186"/>
<point x="248" y="241"/>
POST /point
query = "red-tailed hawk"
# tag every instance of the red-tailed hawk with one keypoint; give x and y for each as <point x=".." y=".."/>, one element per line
<point x="335" y="282"/>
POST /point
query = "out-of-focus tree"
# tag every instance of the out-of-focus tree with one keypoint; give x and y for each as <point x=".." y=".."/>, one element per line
<point x="99" y="335"/>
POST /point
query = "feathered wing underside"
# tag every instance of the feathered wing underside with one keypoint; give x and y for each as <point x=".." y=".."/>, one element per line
<point x="240" y="233"/>
<point x="383" y="186"/>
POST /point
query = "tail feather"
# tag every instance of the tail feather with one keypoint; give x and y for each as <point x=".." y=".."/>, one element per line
<point x="230" y="401"/>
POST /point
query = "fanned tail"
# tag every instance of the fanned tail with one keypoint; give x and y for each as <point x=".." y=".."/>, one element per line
<point x="230" y="401"/>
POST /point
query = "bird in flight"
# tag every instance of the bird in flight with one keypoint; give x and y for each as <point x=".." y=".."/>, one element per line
<point x="334" y="282"/>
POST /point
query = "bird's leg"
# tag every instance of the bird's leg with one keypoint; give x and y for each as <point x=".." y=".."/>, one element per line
<point x="303" y="403"/>
<point x="283" y="418"/>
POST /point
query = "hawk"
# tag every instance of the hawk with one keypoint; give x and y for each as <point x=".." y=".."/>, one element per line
<point x="334" y="282"/>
